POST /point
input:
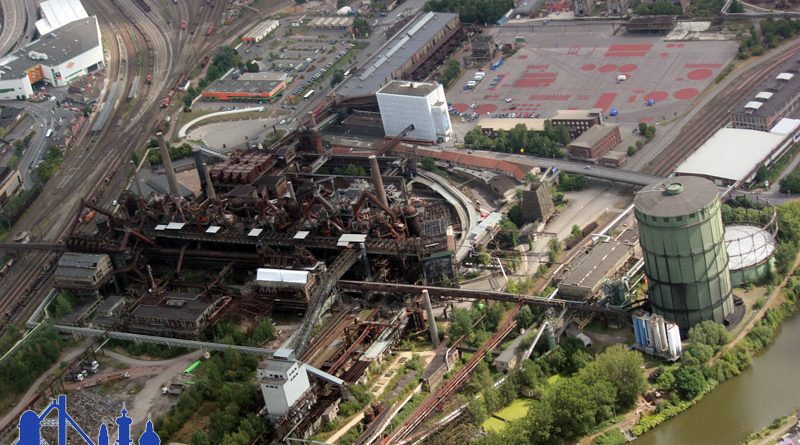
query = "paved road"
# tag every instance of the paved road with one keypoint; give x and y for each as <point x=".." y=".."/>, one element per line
<point x="44" y="115"/>
<point x="13" y="24"/>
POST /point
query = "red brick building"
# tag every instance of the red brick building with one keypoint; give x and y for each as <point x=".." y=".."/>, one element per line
<point x="594" y="143"/>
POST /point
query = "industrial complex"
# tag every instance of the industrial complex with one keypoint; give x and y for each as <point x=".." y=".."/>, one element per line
<point x="360" y="228"/>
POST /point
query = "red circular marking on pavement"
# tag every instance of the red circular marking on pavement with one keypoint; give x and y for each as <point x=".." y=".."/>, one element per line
<point x="700" y="74"/>
<point x="679" y="45"/>
<point x="686" y="93"/>
<point x="656" y="96"/>
<point x="589" y="67"/>
<point x="628" y="68"/>
<point x="486" y="108"/>
<point x="607" y="68"/>
<point x="461" y="107"/>
<point x="522" y="57"/>
<point x="670" y="45"/>
<point x="664" y="54"/>
<point x="647" y="120"/>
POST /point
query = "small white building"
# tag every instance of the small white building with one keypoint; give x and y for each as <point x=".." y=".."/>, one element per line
<point x="283" y="380"/>
<point x="260" y="31"/>
<point x="56" y="58"/>
<point x="404" y="103"/>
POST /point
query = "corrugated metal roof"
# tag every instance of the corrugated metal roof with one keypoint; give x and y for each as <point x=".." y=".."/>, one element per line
<point x="57" y="13"/>
<point x="282" y="275"/>
<point x="301" y="234"/>
<point x="255" y="232"/>
<point x="785" y="76"/>
<point x="348" y="238"/>
<point x="175" y="226"/>
<point x="754" y="104"/>
<point x="213" y="229"/>
<point x="731" y="153"/>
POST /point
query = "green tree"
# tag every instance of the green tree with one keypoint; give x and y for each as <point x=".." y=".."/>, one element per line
<point x="621" y="367"/>
<point x="554" y="246"/>
<point x="736" y="7"/>
<point x="251" y="66"/>
<point x="200" y="438"/>
<point x="631" y="150"/>
<point x="690" y="381"/>
<point x="642" y="127"/>
<point x="790" y="183"/>
<point x="337" y="77"/>
<point x="525" y="317"/>
<point x="428" y="164"/>
<point x="709" y="333"/>
<point x="572" y="182"/>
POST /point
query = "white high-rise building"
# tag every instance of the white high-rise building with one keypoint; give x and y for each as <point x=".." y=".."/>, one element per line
<point x="404" y="103"/>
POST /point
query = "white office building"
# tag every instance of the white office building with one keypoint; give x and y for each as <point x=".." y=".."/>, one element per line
<point x="423" y="105"/>
<point x="56" y="58"/>
<point x="657" y="336"/>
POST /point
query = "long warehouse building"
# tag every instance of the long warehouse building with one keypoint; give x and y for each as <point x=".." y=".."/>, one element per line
<point x="404" y="55"/>
<point x="57" y="58"/>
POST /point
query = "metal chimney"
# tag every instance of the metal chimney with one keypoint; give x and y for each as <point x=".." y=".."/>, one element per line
<point x="377" y="180"/>
<point x="426" y="300"/>
<point x="291" y="191"/>
<point x="201" y="168"/>
<point x="210" y="192"/>
<point x="171" y="178"/>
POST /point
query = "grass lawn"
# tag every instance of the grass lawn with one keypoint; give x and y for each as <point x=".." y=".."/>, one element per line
<point x="516" y="410"/>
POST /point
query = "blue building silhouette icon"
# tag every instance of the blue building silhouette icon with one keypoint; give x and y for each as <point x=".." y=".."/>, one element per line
<point x="30" y="428"/>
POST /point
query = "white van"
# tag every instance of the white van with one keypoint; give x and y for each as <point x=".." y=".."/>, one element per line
<point x="480" y="73"/>
<point x="471" y="83"/>
<point x="622" y="78"/>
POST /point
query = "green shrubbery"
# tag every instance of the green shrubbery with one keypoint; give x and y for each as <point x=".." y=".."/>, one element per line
<point x="479" y="12"/>
<point x="547" y="143"/>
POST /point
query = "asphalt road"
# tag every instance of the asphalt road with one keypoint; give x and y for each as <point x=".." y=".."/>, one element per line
<point x="13" y="24"/>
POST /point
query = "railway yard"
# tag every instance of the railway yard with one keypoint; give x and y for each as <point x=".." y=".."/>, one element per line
<point x="332" y="246"/>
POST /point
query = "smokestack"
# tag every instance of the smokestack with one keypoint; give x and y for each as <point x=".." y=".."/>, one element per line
<point x="201" y="168"/>
<point x="365" y="260"/>
<point x="137" y="181"/>
<point x="377" y="180"/>
<point x="426" y="300"/>
<point x="171" y="178"/>
<point x="291" y="190"/>
<point x="210" y="192"/>
<point x="312" y="119"/>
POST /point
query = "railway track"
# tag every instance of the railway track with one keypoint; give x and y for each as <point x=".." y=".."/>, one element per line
<point x="101" y="169"/>
<point x="714" y="115"/>
<point x="435" y="400"/>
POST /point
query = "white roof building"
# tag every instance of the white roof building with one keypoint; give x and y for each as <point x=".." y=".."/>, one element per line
<point x="282" y="275"/>
<point x="57" y="13"/>
<point x="733" y="154"/>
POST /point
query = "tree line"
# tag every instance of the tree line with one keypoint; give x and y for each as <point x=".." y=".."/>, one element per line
<point x="547" y="143"/>
<point x="479" y="12"/>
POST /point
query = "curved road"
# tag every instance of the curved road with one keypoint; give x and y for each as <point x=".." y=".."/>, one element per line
<point x="14" y="19"/>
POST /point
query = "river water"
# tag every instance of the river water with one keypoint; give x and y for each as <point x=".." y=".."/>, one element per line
<point x="770" y="388"/>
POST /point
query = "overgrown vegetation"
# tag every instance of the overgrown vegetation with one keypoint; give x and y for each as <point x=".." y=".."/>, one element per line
<point x="350" y="170"/>
<point x="479" y="12"/>
<point x="224" y="59"/>
<point x="50" y="163"/>
<point x="659" y="7"/>
<point x="273" y="137"/>
<point x="175" y="152"/>
<point x="775" y="169"/>
<point x="547" y="143"/>
<point x="430" y="165"/>
<point x="450" y="73"/>
<point x="36" y="355"/>
<point x="571" y="182"/>
<point x="569" y="407"/>
<point x="228" y="395"/>
<point x="463" y="320"/>
<point x="772" y="32"/>
<point x="16" y="206"/>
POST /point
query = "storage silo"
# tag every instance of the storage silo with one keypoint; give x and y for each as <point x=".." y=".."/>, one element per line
<point x="682" y="238"/>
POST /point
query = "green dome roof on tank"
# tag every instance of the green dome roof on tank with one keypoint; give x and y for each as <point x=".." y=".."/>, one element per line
<point x="676" y="196"/>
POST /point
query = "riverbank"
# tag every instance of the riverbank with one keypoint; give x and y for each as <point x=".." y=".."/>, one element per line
<point x="763" y="327"/>
<point x="769" y="435"/>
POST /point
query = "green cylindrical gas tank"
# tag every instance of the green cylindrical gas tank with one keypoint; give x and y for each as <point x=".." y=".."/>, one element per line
<point x="682" y="239"/>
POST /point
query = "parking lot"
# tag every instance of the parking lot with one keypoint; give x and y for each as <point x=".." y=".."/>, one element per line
<point x="579" y="67"/>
